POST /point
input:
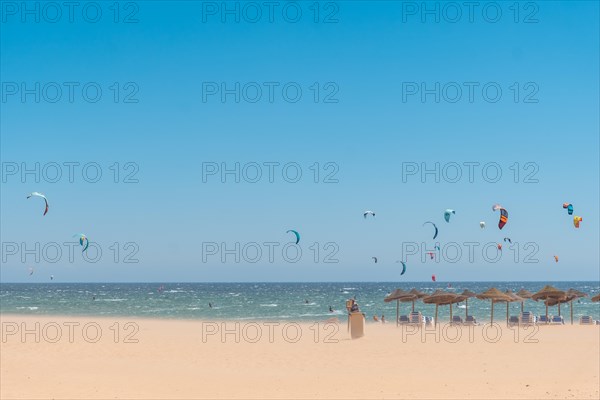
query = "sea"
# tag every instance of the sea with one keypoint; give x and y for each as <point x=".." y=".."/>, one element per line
<point x="264" y="301"/>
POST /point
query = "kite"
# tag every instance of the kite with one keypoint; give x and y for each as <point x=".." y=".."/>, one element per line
<point x="431" y="254"/>
<point x="507" y="239"/>
<point x="403" y="268"/>
<point x="576" y="221"/>
<point x="437" y="248"/>
<point x="503" y="215"/>
<point x="447" y="214"/>
<point x="51" y="277"/>
<point x="43" y="197"/>
<point x="295" y="233"/>
<point x="433" y="278"/>
<point x="31" y="271"/>
<point x="83" y="239"/>
<point x="368" y="212"/>
<point x="569" y="208"/>
<point x="556" y="258"/>
<point x="482" y="224"/>
<point x="375" y="259"/>
<point x="499" y="247"/>
<point x="435" y="227"/>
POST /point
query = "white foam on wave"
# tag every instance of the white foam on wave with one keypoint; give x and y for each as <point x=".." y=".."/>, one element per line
<point x="269" y="305"/>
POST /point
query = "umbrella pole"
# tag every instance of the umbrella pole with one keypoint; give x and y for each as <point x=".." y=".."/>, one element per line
<point x="571" y="307"/>
<point x="466" y="308"/>
<point x="521" y="307"/>
<point x="397" y="305"/>
<point x="559" y="309"/>
<point x="413" y="305"/>
<point x="492" y="320"/>
<point x="507" y="313"/>
<point x="450" y="312"/>
<point x="546" y="312"/>
<point x="436" y="314"/>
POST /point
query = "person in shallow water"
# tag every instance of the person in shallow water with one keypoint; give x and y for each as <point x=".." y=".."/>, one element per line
<point x="330" y="309"/>
<point x="209" y="305"/>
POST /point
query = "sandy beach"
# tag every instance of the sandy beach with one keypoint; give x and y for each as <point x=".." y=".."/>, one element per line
<point x="77" y="357"/>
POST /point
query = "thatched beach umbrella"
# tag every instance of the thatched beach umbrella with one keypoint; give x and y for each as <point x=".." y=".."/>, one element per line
<point x="494" y="295"/>
<point x="400" y="296"/>
<point x="466" y="294"/>
<point x="438" y="298"/>
<point x="549" y="292"/>
<point x="571" y="294"/>
<point x="596" y="298"/>
<point x="524" y="294"/>
<point x="514" y="298"/>
<point x="419" y="295"/>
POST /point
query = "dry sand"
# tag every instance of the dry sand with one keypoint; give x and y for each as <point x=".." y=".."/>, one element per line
<point x="168" y="359"/>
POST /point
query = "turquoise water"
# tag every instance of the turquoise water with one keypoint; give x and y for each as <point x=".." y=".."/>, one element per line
<point x="260" y="301"/>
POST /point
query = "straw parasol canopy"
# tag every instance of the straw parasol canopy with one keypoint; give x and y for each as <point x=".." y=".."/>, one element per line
<point x="596" y="298"/>
<point x="400" y="296"/>
<point x="419" y="295"/>
<point x="467" y="294"/>
<point x="439" y="297"/>
<point x="494" y="295"/>
<point x="549" y="292"/>
<point x="524" y="294"/>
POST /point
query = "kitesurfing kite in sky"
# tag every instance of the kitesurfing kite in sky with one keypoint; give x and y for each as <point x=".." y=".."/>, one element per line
<point x="569" y="208"/>
<point x="83" y="239"/>
<point x="503" y="215"/>
<point x="368" y="212"/>
<point x="36" y="194"/>
<point x="295" y="233"/>
<point x="447" y="214"/>
<point x="434" y="227"/>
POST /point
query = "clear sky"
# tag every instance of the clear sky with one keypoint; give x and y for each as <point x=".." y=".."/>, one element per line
<point x="385" y="86"/>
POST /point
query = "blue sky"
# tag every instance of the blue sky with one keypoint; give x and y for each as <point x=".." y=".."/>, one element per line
<point x="366" y="62"/>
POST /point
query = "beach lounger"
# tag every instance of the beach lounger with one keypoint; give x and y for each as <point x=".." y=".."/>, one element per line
<point x="542" y="319"/>
<point x="586" y="320"/>
<point x="428" y="321"/>
<point x="526" y="318"/>
<point x="415" y="318"/>
<point x="403" y="319"/>
<point x="456" y="320"/>
<point x="557" y="320"/>
<point x="470" y="320"/>
<point x="513" y="320"/>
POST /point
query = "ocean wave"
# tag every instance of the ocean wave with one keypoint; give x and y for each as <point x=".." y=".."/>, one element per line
<point x="269" y="305"/>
